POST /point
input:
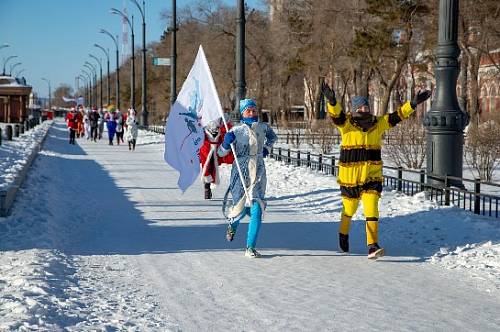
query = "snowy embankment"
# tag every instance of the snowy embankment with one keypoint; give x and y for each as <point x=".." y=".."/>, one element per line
<point x="14" y="154"/>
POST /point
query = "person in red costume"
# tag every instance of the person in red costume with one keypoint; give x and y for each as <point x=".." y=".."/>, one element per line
<point x="72" y="123"/>
<point x="210" y="161"/>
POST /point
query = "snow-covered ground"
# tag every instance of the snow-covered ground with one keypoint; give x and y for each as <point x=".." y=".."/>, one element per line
<point x="100" y="238"/>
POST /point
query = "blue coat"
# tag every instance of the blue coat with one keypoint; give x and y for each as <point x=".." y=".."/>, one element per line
<point x="249" y="144"/>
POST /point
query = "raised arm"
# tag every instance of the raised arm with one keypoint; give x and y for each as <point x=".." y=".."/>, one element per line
<point x="407" y="108"/>
<point x="333" y="108"/>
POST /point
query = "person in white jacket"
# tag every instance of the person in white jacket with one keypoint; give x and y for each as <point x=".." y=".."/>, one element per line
<point x="132" y="130"/>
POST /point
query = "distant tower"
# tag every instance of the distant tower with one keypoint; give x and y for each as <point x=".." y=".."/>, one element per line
<point x="125" y="48"/>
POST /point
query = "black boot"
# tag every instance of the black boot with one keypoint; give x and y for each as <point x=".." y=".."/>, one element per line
<point x="344" y="242"/>
<point x="208" y="191"/>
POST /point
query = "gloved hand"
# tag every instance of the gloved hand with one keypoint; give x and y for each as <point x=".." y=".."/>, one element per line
<point x="328" y="93"/>
<point x="420" y="97"/>
<point x="228" y="139"/>
<point x="265" y="152"/>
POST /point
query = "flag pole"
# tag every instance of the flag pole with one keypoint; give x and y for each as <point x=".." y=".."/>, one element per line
<point x="249" y="201"/>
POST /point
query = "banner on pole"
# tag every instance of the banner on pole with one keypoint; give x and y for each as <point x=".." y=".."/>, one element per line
<point x="197" y="104"/>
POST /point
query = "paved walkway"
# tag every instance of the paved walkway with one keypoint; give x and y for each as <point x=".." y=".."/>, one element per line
<point x="167" y="252"/>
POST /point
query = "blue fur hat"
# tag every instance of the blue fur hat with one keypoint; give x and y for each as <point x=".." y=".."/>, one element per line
<point x="359" y="101"/>
<point x="246" y="103"/>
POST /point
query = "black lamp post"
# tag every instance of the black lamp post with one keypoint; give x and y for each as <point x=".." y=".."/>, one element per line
<point x="240" y="59"/>
<point x="115" y="40"/>
<point x="93" y="70"/>
<point x="144" y="82"/>
<point x="7" y="60"/>
<point x="50" y="92"/>
<point x="14" y="66"/>
<point x="173" y="56"/>
<point x="108" y="87"/>
<point x="86" y="89"/>
<point x="89" y="77"/>
<point x="132" y="76"/>
<point x="19" y="72"/>
<point x="99" y="60"/>
<point x="445" y="121"/>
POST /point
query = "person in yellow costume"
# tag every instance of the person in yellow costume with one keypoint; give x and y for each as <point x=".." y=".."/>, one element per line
<point x="360" y="162"/>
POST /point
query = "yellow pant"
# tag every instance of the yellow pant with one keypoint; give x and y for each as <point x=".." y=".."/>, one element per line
<point x="370" y="206"/>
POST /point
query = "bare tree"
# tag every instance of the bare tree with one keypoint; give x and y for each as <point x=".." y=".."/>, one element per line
<point x="407" y="145"/>
<point x="482" y="149"/>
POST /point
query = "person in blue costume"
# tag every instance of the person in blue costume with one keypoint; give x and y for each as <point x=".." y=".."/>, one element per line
<point x="252" y="141"/>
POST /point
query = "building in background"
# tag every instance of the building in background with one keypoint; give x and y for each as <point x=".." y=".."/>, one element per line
<point x="14" y="99"/>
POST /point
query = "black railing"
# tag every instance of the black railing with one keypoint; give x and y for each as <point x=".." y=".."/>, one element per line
<point x="486" y="204"/>
<point x="406" y="181"/>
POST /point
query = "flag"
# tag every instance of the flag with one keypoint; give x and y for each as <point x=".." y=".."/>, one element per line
<point x="197" y="104"/>
<point x="67" y="100"/>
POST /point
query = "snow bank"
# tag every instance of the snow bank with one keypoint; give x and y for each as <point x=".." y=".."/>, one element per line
<point x="14" y="154"/>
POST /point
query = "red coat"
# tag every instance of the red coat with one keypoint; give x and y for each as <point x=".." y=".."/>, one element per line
<point x="210" y="169"/>
<point x="72" y="121"/>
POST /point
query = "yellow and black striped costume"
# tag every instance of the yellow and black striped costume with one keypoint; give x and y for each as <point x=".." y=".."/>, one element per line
<point x="360" y="164"/>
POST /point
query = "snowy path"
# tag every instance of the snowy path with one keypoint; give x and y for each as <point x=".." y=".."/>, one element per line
<point x="101" y="239"/>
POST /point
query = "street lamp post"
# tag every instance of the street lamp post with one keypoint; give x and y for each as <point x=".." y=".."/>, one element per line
<point x="144" y="113"/>
<point x="99" y="61"/>
<point x="50" y="92"/>
<point x="173" y="56"/>
<point x="19" y="72"/>
<point x="108" y="87"/>
<point x="445" y="121"/>
<point x="93" y="70"/>
<point x="14" y="66"/>
<point x="86" y="92"/>
<point x="132" y="76"/>
<point x="89" y="77"/>
<point x="240" y="59"/>
<point x="115" y="40"/>
<point x="7" y="60"/>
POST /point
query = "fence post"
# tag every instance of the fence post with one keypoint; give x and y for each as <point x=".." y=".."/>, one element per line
<point x="446" y="190"/>
<point x="400" y="178"/>
<point x="298" y="140"/>
<point x="308" y="159"/>
<point x="422" y="179"/>
<point x="298" y="158"/>
<point x="279" y="154"/>
<point x="289" y="158"/>
<point x="320" y="162"/>
<point x="271" y="153"/>
<point x="8" y="132"/>
<point x="333" y="166"/>
<point x="287" y="138"/>
<point x="16" y="130"/>
<point x="477" y="198"/>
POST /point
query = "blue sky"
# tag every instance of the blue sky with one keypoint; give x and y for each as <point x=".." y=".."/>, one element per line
<point x="52" y="38"/>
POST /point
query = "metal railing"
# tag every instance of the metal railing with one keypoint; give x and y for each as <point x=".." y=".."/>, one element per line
<point x="486" y="204"/>
<point x="482" y="203"/>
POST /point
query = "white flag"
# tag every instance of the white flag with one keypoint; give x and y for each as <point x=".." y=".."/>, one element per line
<point x="197" y="104"/>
